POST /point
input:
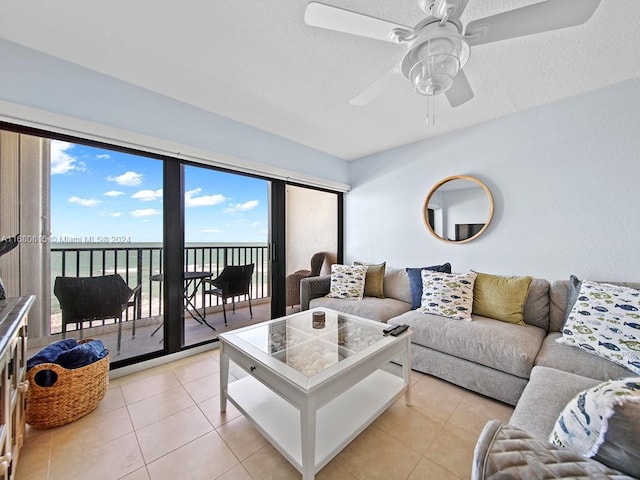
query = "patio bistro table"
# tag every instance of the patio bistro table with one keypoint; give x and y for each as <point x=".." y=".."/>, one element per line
<point x="190" y="279"/>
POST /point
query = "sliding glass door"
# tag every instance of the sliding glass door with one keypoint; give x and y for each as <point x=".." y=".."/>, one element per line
<point x="106" y="220"/>
<point x="104" y="225"/>
<point x="226" y="226"/>
<point x="313" y="237"/>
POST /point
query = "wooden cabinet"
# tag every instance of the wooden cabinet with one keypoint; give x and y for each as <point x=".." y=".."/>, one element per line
<point x="13" y="383"/>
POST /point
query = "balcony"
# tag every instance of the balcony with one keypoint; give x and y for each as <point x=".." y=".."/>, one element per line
<point x="141" y="264"/>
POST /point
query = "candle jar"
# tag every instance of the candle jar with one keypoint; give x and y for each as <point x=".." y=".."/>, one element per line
<point x="317" y="320"/>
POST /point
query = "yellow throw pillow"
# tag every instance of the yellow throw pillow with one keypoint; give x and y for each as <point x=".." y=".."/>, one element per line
<point x="374" y="281"/>
<point x="501" y="298"/>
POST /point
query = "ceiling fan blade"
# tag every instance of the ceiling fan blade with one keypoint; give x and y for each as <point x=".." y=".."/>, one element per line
<point x="373" y="90"/>
<point x="460" y="92"/>
<point x="340" y="20"/>
<point x="536" y="18"/>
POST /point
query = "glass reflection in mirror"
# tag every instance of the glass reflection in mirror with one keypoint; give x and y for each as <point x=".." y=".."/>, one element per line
<point x="458" y="209"/>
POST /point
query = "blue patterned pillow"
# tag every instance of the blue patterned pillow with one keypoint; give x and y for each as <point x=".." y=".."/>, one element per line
<point x="448" y="295"/>
<point x="605" y="321"/>
<point x="602" y="423"/>
<point x="347" y="281"/>
<point x="415" y="281"/>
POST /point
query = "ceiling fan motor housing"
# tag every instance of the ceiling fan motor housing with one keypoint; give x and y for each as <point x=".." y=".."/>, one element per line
<point x="435" y="57"/>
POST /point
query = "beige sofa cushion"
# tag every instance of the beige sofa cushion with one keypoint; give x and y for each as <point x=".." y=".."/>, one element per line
<point x="373" y="308"/>
<point x="503" y="346"/>
<point x="575" y="360"/>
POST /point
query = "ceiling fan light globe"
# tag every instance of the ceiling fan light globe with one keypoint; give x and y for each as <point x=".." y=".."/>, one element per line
<point x="434" y="74"/>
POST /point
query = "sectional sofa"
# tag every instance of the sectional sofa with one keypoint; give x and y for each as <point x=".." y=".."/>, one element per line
<point x="520" y="365"/>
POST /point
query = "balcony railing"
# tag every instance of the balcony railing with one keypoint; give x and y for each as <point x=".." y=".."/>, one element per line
<point x="138" y="264"/>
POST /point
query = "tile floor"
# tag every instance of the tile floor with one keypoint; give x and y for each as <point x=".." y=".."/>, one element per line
<point x="164" y="423"/>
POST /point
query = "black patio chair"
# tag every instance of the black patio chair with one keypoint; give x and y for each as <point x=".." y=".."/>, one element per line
<point x="86" y="299"/>
<point x="234" y="281"/>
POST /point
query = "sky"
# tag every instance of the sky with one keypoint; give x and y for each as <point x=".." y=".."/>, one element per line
<point x="104" y="196"/>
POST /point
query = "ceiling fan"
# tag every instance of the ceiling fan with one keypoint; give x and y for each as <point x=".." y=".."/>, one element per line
<point x="438" y="47"/>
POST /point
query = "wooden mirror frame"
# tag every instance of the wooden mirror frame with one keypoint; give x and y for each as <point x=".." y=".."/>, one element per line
<point x="425" y="207"/>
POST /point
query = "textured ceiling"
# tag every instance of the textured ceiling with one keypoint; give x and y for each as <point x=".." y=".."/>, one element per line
<point x="257" y="62"/>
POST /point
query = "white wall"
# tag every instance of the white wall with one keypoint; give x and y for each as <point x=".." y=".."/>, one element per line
<point x="565" y="180"/>
<point x="311" y="227"/>
<point x="33" y="79"/>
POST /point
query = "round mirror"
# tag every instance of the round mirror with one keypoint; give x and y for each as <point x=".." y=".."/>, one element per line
<point x="458" y="209"/>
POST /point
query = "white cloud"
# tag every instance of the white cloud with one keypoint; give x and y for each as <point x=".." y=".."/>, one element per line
<point x="127" y="179"/>
<point x="145" y="212"/>
<point x="103" y="156"/>
<point x="191" y="199"/>
<point x="85" y="202"/>
<point x="148" y="195"/>
<point x="115" y="214"/>
<point x="255" y="224"/>
<point x="212" y="230"/>
<point x="113" y="193"/>
<point x="61" y="161"/>
<point x="241" y="207"/>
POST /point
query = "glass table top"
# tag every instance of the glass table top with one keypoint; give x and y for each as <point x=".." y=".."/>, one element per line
<point x="311" y="344"/>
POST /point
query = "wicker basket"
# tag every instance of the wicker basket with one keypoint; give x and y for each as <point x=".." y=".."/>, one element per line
<point x="75" y="393"/>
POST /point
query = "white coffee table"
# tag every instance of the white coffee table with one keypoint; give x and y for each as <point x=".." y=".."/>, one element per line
<point x="310" y="391"/>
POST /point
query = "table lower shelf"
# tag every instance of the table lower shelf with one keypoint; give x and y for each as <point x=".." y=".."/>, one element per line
<point x="338" y="422"/>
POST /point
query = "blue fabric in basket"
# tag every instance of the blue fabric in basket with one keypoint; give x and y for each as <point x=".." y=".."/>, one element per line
<point x="50" y="353"/>
<point x="82" y="355"/>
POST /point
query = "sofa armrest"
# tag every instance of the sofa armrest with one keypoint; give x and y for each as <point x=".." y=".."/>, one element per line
<point x="505" y="452"/>
<point x="313" y="287"/>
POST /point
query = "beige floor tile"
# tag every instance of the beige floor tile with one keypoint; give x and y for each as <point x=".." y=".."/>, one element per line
<point x="112" y="400"/>
<point x="157" y="407"/>
<point x="143" y="374"/>
<point x="333" y="471"/>
<point x="436" y="397"/>
<point x="474" y="411"/>
<point x="211" y="409"/>
<point x="268" y="464"/>
<point x="376" y="455"/>
<point x="453" y="450"/>
<point x="109" y="461"/>
<point x="114" y="383"/>
<point x="140" y="474"/>
<point x="204" y="458"/>
<point x="196" y="367"/>
<point x="411" y="426"/>
<point x="33" y="462"/>
<point x="241" y="437"/>
<point x="90" y="431"/>
<point x="145" y="387"/>
<point x="236" y="473"/>
<point x="32" y="433"/>
<point x="172" y="432"/>
<point x="427" y="470"/>
<point x="204" y="388"/>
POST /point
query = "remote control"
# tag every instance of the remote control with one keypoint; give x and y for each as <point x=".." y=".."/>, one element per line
<point x="397" y="331"/>
<point x="386" y="331"/>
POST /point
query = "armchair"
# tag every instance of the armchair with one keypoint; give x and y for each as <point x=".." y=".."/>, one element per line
<point x="293" y="280"/>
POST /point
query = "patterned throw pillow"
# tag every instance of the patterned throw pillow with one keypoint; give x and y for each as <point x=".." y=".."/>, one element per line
<point x="415" y="281"/>
<point x="347" y="281"/>
<point x="602" y="422"/>
<point x="605" y="321"/>
<point x="448" y="295"/>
